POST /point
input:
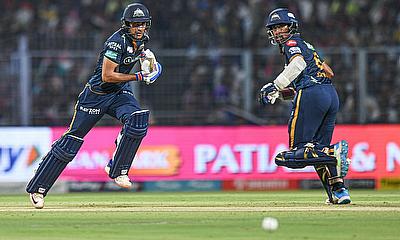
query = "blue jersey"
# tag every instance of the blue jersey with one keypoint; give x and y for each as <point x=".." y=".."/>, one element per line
<point x="120" y="49"/>
<point x="313" y="73"/>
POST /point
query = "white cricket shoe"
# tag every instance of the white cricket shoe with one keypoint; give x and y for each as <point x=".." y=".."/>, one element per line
<point x="37" y="200"/>
<point x="122" y="180"/>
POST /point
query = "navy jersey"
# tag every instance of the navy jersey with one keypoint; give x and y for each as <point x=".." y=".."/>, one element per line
<point x="120" y="49"/>
<point x="313" y="73"/>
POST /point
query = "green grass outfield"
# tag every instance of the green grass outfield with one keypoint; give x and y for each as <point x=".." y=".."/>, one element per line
<point x="184" y="216"/>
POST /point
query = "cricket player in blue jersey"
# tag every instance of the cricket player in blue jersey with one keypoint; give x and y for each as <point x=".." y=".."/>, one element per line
<point x="314" y="110"/>
<point x="107" y="92"/>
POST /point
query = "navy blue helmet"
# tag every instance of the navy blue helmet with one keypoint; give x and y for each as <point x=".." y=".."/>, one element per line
<point x="278" y="17"/>
<point x="134" y="13"/>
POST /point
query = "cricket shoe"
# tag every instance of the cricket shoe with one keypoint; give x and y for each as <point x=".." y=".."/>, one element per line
<point x="340" y="151"/>
<point x="37" y="200"/>
<point x="341" y="196"/>
<point x="122" y="180"/>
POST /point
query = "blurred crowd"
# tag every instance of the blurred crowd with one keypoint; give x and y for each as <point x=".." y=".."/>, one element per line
<point x="210" y="23"/>
<point x="210" y="88"/>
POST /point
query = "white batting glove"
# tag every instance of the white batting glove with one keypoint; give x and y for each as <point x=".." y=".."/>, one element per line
<point x="151" y="77"/>
<point x="147" y="61"/>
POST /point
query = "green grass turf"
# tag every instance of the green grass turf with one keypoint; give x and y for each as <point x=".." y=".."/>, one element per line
<point x="183" y="216"/>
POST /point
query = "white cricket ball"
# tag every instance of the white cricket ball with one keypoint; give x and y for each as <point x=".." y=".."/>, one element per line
<point x="270" y="224"/>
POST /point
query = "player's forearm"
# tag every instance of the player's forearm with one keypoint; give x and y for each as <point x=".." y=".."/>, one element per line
<point x="293" y="69"/>
<point x="115" y="77"/>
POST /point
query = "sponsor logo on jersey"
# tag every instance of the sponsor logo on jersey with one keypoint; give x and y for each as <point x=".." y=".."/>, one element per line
<point x="111" y="54"/>
<point x="138" y="13"/>
<point x="128" y="60"/>
<point x="294" y="50"/>
<point x="114" y="46"/>
<point x="291" y="43"/>
<point x="91" y="111"/>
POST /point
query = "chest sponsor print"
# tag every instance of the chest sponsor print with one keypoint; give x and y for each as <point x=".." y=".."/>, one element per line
<point x="114" y="46"/>
<point x="291" y="43"/>
<point x="129" y="60"/>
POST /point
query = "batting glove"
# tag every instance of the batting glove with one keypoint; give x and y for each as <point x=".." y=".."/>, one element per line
<point x="147" y="60"/>
<point x="268" y="94"/>
<point x="150" y="77"/>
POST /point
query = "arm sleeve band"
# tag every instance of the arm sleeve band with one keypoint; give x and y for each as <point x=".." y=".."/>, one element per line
<point x="295" y="67"/>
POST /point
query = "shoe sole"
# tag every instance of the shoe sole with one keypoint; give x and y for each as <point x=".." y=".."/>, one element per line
<point x="122" y="185"/>
<point x="344" y="200"/>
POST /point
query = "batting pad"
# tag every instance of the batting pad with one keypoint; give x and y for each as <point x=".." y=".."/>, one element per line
<point x="324" y="174"/>
<point x="302" y="157"/>
<point x="133" y="132"/>
<point x="61" y="153"/>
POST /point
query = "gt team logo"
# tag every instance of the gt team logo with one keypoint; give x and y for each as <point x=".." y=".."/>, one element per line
<point x="138" y="13"/>
<point x="275" y="17"/>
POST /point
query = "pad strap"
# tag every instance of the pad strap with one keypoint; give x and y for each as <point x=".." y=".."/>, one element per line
<point x="334" y="180"/>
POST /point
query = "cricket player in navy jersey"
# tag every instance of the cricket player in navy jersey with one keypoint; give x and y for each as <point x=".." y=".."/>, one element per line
<point x="314" y="110"/>
<point x="107" y="92"/>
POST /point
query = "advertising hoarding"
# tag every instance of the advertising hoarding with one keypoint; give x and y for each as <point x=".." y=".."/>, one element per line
<point x="228" y="153"/>
<point x="200" y="153"/>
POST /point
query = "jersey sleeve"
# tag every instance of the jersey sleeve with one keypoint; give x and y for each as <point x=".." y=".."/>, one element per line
<point x="113" y="51"/>
<point x="292" y="48"/>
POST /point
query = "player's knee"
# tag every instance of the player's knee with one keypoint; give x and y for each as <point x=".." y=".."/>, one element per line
<point x="137" y="124"/>
<point x="66" y="148"/>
